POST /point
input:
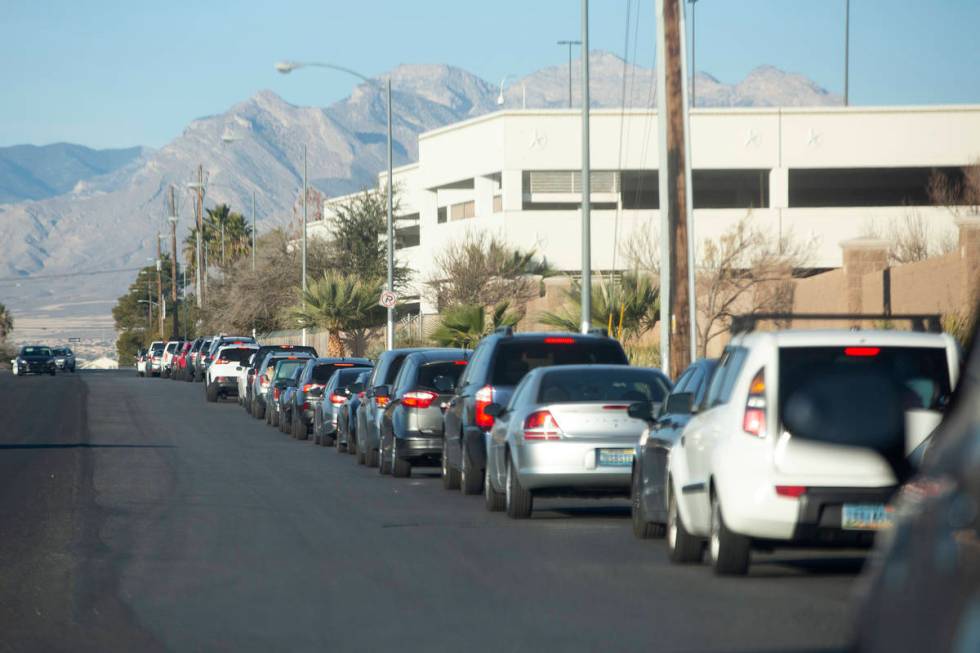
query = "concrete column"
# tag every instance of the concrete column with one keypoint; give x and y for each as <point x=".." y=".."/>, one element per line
<point x="861" y="256"/>
<point x="483" y="188"/>
<point x="779" y="188"/>
<point x="969" y="228"/>
<point x="512" y="182"/>
<point x="428" y="210"/>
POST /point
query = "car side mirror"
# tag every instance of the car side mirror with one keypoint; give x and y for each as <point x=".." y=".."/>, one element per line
<point x="495" y="410"/>
<point x="443" y="384"/>
<point x="642" y="410"/>
<point x="680" y="403"/>
<point x="857" y="409"/>
<point x="381" y="391"/>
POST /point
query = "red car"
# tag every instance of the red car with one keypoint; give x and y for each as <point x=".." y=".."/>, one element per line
<point x="181" y="369"/>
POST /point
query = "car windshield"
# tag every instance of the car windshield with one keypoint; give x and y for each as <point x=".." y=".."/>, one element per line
<point x="285" y="369"/>
<point x="516" y="358"/>
<point x="626" y="384"/>
<point x="157" y="348"/>
<point x="35" y="351"/>
<point x="921" y="372"/>
<point x="450" y="369"/>
<point x="235" y="354"/>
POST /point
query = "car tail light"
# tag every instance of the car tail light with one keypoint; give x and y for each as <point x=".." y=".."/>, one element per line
<point x="459" y="362"/>
<point x="337" y="399"/>
<point x="380" y="402"/>
<point x="541" y="425"/>
<point x="791" y="491"/>
<point x="221" y="361"/>
<point x="419" y="399"/>
<point x="559" y="341"/>
<point x="312" y="386"/>
<point x="306" y="405"/>
<point x="615" y="407"/>
<point x="360" y="395"/>
<point x="483" y="397"/>
<point x="865" y="352"/>
<point x="754" y="419"/>
<point x="343" y="364"/>
<point x="275" y="393"/>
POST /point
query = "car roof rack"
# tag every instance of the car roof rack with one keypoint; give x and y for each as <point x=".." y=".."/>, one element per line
<point x="923" y="322"/>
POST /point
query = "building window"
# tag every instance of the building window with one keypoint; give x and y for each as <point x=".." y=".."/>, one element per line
<point x="640" y="189"/>
<point x="407" y="237"/>
<point x="570" y="181"/>
<point x="462" y="210"/>
<point x="730" y="189"/>
<point x="441" y="214"/>
<point x="498" y="203"/>
<point x="863" y="186"/>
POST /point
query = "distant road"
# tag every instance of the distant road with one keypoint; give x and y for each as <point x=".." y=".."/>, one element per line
<point x="134" y="516"/>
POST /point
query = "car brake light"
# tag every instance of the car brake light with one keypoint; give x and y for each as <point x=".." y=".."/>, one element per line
<point x="459" y="362"/>
<point x="483" y="397"/>
<point x="559" y="341"/>
<point x="275" y="393"/>
<point x="616" y="407"/>
<point x="343" y="364"/>
<point x="337" y="399"/>
<point x="360" y="395"/>
<point x="311" y="386"/>
<point x="541" y="425"/>
<point x="380" y="402"/>
<point x="754" y="419"/>
<point x="419" y="399"/>
<point x="791" y="491"/>
<point x="866" y="352"/>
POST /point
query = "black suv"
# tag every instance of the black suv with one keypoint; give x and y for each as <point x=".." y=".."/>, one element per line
<point x="497" y="365"/>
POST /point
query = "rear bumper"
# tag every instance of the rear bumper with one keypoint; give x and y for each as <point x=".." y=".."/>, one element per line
<point x="572" y="466"/>
<point x="417" y="445"/>
<point x="819" y="520"/>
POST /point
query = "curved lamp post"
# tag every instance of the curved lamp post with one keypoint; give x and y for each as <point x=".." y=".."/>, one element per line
<point x="286" y="67"/>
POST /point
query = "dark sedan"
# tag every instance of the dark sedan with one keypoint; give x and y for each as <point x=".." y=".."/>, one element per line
<point x="34" y="359"/>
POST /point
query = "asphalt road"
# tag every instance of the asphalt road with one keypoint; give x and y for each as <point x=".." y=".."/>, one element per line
<point x="134" y="516"/>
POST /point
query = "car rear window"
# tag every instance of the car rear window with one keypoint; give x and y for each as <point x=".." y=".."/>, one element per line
<point x="285" y="368"/>
<point x="396" y="365"/>
<point x="921" y="372"/>
<point x="627" y="384"/>
<point x="157" y="348"/>
<point x="348" y="376"/>
<point x="516" y="358"/>
<point x="450" y="369"/>
<point x="235" y="355"/>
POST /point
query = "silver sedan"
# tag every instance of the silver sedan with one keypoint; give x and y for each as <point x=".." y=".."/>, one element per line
<point x="566" y="432"/>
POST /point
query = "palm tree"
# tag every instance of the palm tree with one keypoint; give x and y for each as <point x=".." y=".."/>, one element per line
<point x="629" y="307"/>
<point x="464" y="324"/>
<point x="6" y="323"/>
<point x="339" y="303"/>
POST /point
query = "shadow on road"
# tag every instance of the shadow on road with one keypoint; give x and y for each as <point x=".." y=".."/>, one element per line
<point x="581" y="512"/>
<point x="787" y="568"/>
<point x="86" y="445"/>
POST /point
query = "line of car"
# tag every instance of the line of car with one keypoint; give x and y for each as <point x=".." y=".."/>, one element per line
<point x="707" y="461"/>
<point x="41" y="359"/>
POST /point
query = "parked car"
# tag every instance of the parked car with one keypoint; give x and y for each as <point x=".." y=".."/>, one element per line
<point x="180" y="362"/>
<point x="141" y="361"/>
<point x="566" y="431"/>
<point x="737" y="476"/>
<point x="368" y="417"/>
<point x="212" y="348"/>
<point x="255" y="397"/>
<point x="223" y="372"/>
<point x="325" y="401"/>
<point x="285" y="399"/>
<point x="197" y="370"/>
<point x="498" y="364"/>
<point x="155" y="358"/>
<point x="64" y="358"/>
<point x="648" y="500"/>
<point x="347" y="416"/>
<point x="169" y="352"/>
<point x="34" y="359"/>
<point x="411" y="423"/>
<point x="278" y="373"/>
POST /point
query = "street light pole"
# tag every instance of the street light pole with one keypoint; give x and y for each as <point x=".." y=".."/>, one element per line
<point x="305" y="194"/>
<point x="569" y="44"/>
<point x="198" y="288"/>
<point x="253" y="230"/>
<point x="694" y="52"/>
<point x="586" y="177"/>
<point x="173" y="261"/>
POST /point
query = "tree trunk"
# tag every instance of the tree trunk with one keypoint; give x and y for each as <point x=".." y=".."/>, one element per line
<point x="335" y="346"/>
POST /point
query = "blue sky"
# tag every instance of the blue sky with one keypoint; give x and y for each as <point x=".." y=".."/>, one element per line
<point x="113" y="73"/>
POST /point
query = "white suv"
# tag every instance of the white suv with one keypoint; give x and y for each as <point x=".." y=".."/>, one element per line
<point x="221" y="377"/>
<point x="737" y="479"/>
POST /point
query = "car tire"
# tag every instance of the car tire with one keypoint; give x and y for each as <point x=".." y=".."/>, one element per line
<point x="470" y="481"/>
<point x="730" y="552"/>
<point x="518" y="501"/>
<point x="399" y="468"/>
<point x="643" y="528"/>
<point x="212" y="393"/>
<point x="52" y="372"/>
<point x="371" y="457"/>
<point x="450" y="475"/>
<point x="273" y="418"/>
<point x="492" y="500"/>
<point x="384" y="462"/>
<point x="258" y="410"/>
<point x="682" y="547"/>
<point x="300" y="432"/>
<point x="361" y="459"/>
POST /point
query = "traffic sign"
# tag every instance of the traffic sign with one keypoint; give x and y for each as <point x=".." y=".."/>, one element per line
<point x="388" y="299"/>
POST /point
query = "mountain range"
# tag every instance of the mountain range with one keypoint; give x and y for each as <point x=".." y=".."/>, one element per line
<point x="68" y="212"/>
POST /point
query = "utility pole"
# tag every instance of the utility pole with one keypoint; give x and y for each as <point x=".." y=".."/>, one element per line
<point x="675" y="294"/>
<point x="306" y="193"/>
<point x="160" y="299"/>
<point x="149" y="306"/>
<point x="253" y="230"/>
<point x="570" y="44"/>
<point x="390" y="330"/>
<point x="586" y="323"/>
<point x="199" y="290"/>
<point x="173" y="262"/>
<point x="694" y="52"/>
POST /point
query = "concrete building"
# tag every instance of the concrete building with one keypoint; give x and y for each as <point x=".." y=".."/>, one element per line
<point x="820" y="175"/>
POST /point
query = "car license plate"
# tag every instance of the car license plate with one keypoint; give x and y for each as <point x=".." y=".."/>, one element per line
<point x="615" y="457"/>
<point x="865" y="516"/>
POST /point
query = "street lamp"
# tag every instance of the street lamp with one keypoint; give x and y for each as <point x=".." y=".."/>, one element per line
<point x="286" y="67"/>
<point x="500" y="96"/>
<point x="570" y="44"/>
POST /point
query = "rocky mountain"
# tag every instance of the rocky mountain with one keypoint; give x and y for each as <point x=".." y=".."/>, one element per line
<point x="108" y="221"/>
<point x="32" y="172"/>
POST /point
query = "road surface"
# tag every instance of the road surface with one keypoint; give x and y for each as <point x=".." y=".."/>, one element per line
<point x="135" y="516"/>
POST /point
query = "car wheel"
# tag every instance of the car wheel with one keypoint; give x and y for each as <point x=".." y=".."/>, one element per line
<point x="518" y="501"/>
<point x="258" y="410"/>
<point x="52" y="372"/>
<point x="274" y="417"/>
<point x="493" y="501"/>
<point x="682" y="547"/>
<point x="361" y="459"/>
<point x="470" y="480"/>
<point x="450" y="475"/>
<point x="300" y="432"/>
<point x="643" y="528"/>
<point x="371" y="457"/>
<point x="730" y="552"/>
<point x="212" y="392"/>
<point x="384" y="462"/>
<point x="399" y="468"/>
<point x="351" y="444"/>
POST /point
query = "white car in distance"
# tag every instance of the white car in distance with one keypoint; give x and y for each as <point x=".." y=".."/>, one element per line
<point x="221" y="377"/>
<point x="738" y="480"/>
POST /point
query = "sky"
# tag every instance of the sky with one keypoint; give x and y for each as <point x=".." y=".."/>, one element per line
<point x="118" y="73"/>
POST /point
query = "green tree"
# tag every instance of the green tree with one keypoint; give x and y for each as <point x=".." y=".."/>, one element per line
<point x="339" y="303"/>
<point x="464" y="324"/>
<point x="360" y="236"/>
<point x="219" y="221"/>
<point x="6" y="323"/>
<point x="630" y="305"/>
